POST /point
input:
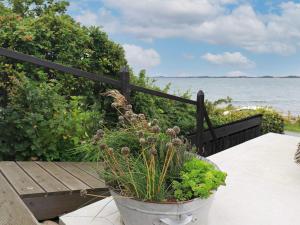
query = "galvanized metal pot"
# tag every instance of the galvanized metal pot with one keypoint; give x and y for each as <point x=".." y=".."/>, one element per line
<point x="135" y="212"/>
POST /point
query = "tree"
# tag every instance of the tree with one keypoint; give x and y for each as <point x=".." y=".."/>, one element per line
<point x="41" y="28"/>
<point x="39" y="106"/>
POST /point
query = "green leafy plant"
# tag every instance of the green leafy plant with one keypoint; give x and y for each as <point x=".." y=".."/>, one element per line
<point x="198" y="179"/>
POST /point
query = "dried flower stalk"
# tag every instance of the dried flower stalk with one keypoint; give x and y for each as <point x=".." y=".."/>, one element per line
<point x="144" y="176"/>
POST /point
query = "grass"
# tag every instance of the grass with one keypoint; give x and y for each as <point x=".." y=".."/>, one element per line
<point x="293" y="127"/>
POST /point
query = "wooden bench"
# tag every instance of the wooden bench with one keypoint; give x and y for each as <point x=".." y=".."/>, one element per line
<point x="50" y="189"/>
<point x="13" y="210"/>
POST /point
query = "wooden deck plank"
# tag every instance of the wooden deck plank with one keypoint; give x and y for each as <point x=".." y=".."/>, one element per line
<point x="63" y="176"/>
<point x="22" y="183"/>
<point x="57" y="205"/>
<point x="40" y="176"/>
<point x="13" y="210"/>
<point x="90" y="167"/>
<point x="82" y="175"/>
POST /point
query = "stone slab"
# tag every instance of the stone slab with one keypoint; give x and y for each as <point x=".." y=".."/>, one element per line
<point x="102" y="212"/>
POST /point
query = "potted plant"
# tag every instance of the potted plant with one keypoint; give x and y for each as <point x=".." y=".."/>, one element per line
<point x="153" y="175"/>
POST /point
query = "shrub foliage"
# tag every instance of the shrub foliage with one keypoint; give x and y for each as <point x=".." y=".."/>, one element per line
<point x="38" y="122"/>
<point x="44" y="112"/>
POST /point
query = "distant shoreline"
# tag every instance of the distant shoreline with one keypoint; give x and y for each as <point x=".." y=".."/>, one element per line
<point x="271" y="77"/>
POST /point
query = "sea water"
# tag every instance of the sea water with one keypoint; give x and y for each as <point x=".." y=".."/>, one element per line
<point x="283" y="94"/>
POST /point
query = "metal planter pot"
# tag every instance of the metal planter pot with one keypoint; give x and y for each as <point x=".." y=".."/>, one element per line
<point x="135" y="212"/>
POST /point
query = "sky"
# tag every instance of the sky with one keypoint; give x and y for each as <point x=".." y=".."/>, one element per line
<point x="200" y="37"/>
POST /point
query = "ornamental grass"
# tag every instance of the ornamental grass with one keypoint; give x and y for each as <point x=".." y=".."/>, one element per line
<point x="141" y="161"/>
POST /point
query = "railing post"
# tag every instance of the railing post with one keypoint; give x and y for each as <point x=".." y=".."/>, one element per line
<point x="125" y="83"/>
<point x="200" y="122"/>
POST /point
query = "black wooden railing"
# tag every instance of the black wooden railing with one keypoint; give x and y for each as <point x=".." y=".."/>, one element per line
<point x="230" y="134"/>
<point x="202" y="138"/>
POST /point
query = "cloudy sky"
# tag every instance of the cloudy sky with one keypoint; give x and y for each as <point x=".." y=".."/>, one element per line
<point x="201" y="37"/>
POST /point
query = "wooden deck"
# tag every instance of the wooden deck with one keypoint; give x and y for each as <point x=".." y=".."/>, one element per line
<point x="50" y="189"/>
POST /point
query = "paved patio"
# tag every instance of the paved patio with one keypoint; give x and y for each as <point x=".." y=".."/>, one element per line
<point x="263" y="187"/>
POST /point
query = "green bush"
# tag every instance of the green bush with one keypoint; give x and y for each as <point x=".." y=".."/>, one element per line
<point x="43" y="29"/>
<point x="39" y="123"/>
<point x="44" y="113"/>
<point x="272" y="121"/>
<point x="168" y="112"/>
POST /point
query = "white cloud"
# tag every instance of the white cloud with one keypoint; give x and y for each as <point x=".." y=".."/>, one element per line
<point x="103" y="18"/>
<point x="229" y="58"/>
<point x="140" y="58"/>
<point x="204" y="20"/>
<point x="87" y="18"/>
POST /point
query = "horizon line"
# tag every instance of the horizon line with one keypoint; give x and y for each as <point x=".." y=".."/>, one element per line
<point x="290" y="76"/>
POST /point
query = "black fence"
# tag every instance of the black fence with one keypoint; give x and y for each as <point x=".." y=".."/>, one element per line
<point x="209" y="141"/>
<point x="230" y="134"/>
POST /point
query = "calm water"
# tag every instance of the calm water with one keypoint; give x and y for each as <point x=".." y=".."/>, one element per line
<point x="280" y="93"/>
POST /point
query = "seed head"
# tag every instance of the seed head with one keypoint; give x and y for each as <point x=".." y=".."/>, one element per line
<point x="171" y="132"/>
<point x="154" y="122"/>
<point x="121" y="118"/>
<point x="98" y="136"/>
<point x="151" y="140"/>
<point x="133" y="120"/>
<point x="141" y="116"/>
<point x="100" y="133"/>
<point x="125" y="150"/>
<point x="140" y="134"/>
<point x="103" y="146"/>
<point x="176" y="129"/>
<point x="153" y="151"/>
<point x="128" y="114"/>
<point x="176" y="142"/>
<point x="142" y="141"/>
<point x="155" y="129"/>
<point x="128" y="107"/>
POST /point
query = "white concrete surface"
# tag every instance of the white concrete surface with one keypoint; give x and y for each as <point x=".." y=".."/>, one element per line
<point x="103" y="212"/>
<point x="263" y="187"/>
